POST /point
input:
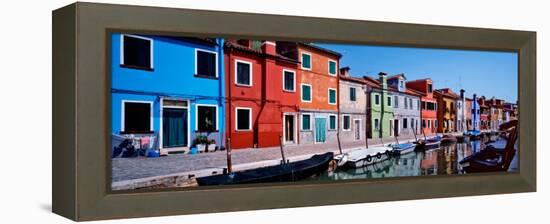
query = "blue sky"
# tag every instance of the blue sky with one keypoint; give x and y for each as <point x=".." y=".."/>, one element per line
<point x="482" y="72"/>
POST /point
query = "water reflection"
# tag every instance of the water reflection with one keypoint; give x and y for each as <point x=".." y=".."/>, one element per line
<point x="440" y="161"/>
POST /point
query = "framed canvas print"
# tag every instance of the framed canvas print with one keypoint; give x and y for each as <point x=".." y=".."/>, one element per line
<point x="201" y="111"/>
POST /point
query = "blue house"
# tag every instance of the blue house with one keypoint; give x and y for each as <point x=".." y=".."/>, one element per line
<point x="475" y="114"/>
<point x="168" y="87"/>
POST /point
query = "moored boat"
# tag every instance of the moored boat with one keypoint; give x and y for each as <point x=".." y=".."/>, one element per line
<point x="285" y="172"/>
<point x="404" y="148"/>
<point x="430" y="143"/>
<point x="363" y="157"/>
<point x="448" y="139"/>
<point x="474" y="134"/>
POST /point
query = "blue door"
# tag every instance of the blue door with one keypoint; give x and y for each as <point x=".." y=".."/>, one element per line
<point x="320" y="129"/>
<point x="174" y="127"/>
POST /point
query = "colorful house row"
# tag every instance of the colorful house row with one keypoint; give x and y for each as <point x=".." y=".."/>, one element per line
<point x="266" y="93"/>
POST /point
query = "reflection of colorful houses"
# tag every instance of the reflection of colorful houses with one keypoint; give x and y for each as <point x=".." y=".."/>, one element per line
<point x="353" y="107"/>
<point x="406" y="106"/>
<point x="428" y="104"/>
<point x="262" y="93"/>
<point x="318" y="88"/>
<point x="170" y="88"/>
<point x="484" y="113"/>
<point x="380" y="107"/>
<point x="446" y="113"/>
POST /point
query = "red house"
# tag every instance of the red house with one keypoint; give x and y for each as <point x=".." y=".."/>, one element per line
<point x="262" y="91"/>
<point x="428" y="104"/>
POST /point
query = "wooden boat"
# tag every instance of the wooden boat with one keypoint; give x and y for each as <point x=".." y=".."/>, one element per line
<point x="287" y="172"/>
<point x="404" y="148"/>
<point x="430" y="143"/>
<point x="363" y="157"/>
<point x="448" y="139"/>
<point x="493" y="159"/>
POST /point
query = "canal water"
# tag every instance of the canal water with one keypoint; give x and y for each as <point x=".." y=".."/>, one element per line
<point x="439" y="161"/>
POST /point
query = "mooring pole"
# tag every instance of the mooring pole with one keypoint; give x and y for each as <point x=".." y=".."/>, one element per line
<point x="338" y="138"/>
<point x="228" y="150"/>
<point x="414" y="133"/>
<point x="396" y="140"/>
<point x="282" y="150"/>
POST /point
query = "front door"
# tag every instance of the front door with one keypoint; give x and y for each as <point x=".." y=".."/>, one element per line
<point x="174" y="127"/>
<point x="357" y="129"/>
<point x="396" y="127"/>
<point x="289" y="128"/>
<point x="320" y="129"/>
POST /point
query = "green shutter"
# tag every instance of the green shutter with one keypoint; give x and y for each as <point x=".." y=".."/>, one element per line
<point x="332" y="123"/>
<point x="332" y="96"/>
<point x="306" y="61"/>
<point x="306" y="93"/>
<point x="306" y="122"/>
<point x="332" y="67"/>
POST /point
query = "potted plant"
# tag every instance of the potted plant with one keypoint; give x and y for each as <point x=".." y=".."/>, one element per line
<point x="200" y="142"/>
<point x="211" y="145"/>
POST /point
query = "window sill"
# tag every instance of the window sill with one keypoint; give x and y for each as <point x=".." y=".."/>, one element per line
<point x="289" y="91"/>
<point x="206" y="77"/>
<point x="243" y="130"/>
<point x="306" y="130"/>
<point x="211" y="131"/>
<point x="243" y="85"/>
<point x="137" y="67"/>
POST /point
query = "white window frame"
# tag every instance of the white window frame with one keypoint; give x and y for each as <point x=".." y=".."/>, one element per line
<point x="343" y="122"/>
<point x="197" y="115"/>
<point x="376" y="124"/>
<point x="335" y="97"/>
<point x="197" y="61"/>
<point x="302" y="121"/>
<point x="310" y="61"/>
<point x="396" y="101"/>
<point x="355" y="90"/>
<point x="237" y="61"/>
<point x="336" y="67"/>
<point x="302" y="93"/>
<point x="389" y="103"/>
<point x="293" y="80"/>
<point x="237" y="118"/>
<point x="151" y="65"/>
<point x="335" y="122"/>
<point x="123" y="109"/>
<point x="360" y="124"/>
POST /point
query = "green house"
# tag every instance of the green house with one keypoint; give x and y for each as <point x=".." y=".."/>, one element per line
<point x="380" y="108"/>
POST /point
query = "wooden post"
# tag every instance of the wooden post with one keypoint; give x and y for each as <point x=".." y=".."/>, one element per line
<point x="396" y="140"/>
<point x="338" y="138"/>
<point x="282" y="150"/>
<point x="415" y="138"/>
<point x="228" y="150"/>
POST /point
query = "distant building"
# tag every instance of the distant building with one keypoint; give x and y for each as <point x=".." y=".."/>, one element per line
<point x="406" y="106"/>
<point x="485" y="113"/>
<point x="380" y="105"/>
<point x="476" y="114"/>
<point x="428" y="104"/>
<point x="468" y="114"/>
<point x="447" y="111"/>
<point x="353" y="108"/>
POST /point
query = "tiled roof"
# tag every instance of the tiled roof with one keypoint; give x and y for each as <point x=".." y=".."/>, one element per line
<point x="233" y="45"/>
<point x="353" y="79"/>
<point x="310" y="45"/>
<point x="447" y="92"/>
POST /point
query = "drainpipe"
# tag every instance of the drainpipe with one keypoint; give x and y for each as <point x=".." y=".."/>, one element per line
<point x="367" y="126"/>
<point x="221" y="90"/>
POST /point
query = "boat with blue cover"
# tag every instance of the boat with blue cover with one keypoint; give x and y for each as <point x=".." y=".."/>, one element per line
<point x="403" y="148"/>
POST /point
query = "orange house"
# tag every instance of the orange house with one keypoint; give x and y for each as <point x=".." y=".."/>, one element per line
<point x="318" y="69"/>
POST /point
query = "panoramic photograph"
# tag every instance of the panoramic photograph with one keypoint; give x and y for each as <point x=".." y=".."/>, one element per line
<point x="192" y="111"/>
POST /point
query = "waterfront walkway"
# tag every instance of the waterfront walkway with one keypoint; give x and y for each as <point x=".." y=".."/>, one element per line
<point x="141" y="172"/>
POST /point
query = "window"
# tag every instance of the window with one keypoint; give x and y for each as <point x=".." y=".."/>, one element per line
<point x="396" y="100"/>
<point x="306" y="93"/>
<point x="430" y="88"/>
<point x="431" y="106"/>
<point x="306" y="122"/>
<point x="405" y="123"/>
<point x="243" y="73"/>
<point x="406" y="103"/>
<point x="376" y="99"/>
<point x="423" y="105"/>
<point x="423" y="123"/>
<point x="376" y="124"/>
<point x="289" y="80"/>
<point x="346" y="122"/>
<point x="207" y="63"/>
<point x="401" y="83"/>
<point x="435" y="123"/>
<point x="243" y="119"/>
<point x="412" y="123"/>
<point x="410" y="103"/>
<point x="389" y="101"/>
<point x="207" y="118"/>
<point x="429" y="123"/>
<point x="331" y="96"/>
<point x="306" y="61"/>
<point x="332" y="67"/>
<point x="332" y="122"/>
<point x="352" y="94"/>
<point x="137" y="117"/>
<point x="137" y="52"/>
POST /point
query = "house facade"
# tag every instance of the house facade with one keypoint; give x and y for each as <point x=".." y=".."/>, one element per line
<point x="461" y="113"/>
<point x="380" y="105"/>
<point x="484" y="113"/>
<point x="476" y="114"/>
<point x="446" y="113"/>
<point x="496" y="117"/>
<point x="169" y="88"/>
<point x="262" y="95"/>
<point x="353" y="107"/>
<point x="318" y="88"/>
<point x="468" y="114"/>
<point x="406" y="107"/>
<point x="428" y="104"/>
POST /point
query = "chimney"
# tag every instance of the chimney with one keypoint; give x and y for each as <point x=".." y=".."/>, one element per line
<point x="462" y="93"/>
<point x="382" y="78"/>
<point x="269" y="47"/>
<point x="244" y="42"/>
<point x="344" y="71"/>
